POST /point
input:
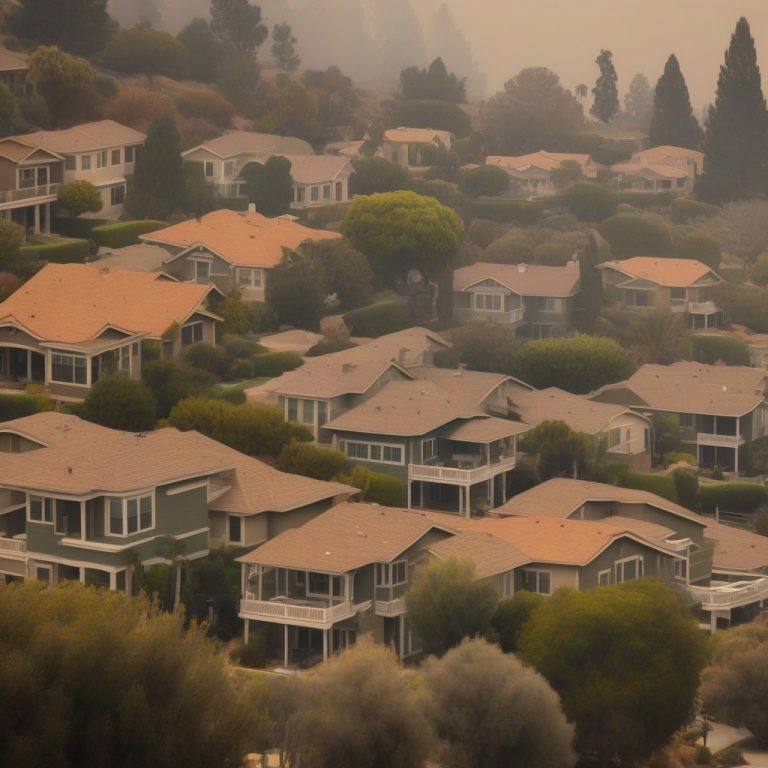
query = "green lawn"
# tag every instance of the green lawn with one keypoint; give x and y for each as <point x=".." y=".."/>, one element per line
<point x="242" y="385"/>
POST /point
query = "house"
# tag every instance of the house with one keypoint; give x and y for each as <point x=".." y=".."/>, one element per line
<point x="29" y="182"/>
<point x="722" y="568"/>
<point x="645" y="284"/>
<point x="317" y="179"/>
<point x="102" y="152"/>
<point x="73" y="324"/>
<point x="617" y="432"/>
<point x="539" y="301"/>
<point x="80" y="501"/>
<point x="721" y="409"/>
<point x="346" y="571"/>
<point x="532" y="174"/>
<point x="660" y="169"/>
<point x="13" y="73"/>
<point x="403" y="146"/>
<point x="232" y="250"/>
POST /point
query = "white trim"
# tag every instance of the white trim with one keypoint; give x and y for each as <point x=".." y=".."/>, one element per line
<point x="374" y="443"/>
<point x="539" y="572"/>
<point x="40" y="558"/>
<point x="99" y="546"/>
<point x="186" y="488"/>
<point x="125" y="501"/>
<point x="600" y="574"/>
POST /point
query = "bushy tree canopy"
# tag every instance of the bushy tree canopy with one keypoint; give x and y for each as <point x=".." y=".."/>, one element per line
<point x="606" y="93"/>
<point x="79" y="196"/>
<point x="673" y="122"/>
<point x="270" y="186"/>
<point x="204" y="50"/>
<point x="284" y="47"/>
<point x="121" y="403"/>
<point x="557" y="450"/>
<point x="146" y="51"/>
<point x="432" y="83"/>
<point x="238" y="24"/>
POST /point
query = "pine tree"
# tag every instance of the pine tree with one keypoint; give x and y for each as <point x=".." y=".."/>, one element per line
<point x="284" y="47"/>
<point x="638" y="101"/>
<point x="737" y="126"/>
<point x="238" y="23"/>
<point x="157" y="189"/>
<point x="605" y="91"/>
<point x="673" y="122"/>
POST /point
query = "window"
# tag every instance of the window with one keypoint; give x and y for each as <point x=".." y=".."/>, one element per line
<point x="130" y="515"/>
<point x="677" y="293"/>
<point x="603" y="578"/>
<point x="208" y="166"/>
<point x="326" y="191"/>
<point x="85" y="163"/>
<point x="322" y="412"/>
<point x="191" y="333"/>
<point x="681" y="183"/>
<point x="235" y="532"/>
<point x="508" y="584"/>
<point x="299" y="195"/>
<point x="680" y="568"/>
<point x="489" y="302"/>
<point x="130" y="154"/>
<point x="249" y="278"/>
<point x="41" y="509"/>
<point x="301" y="578"/>
<point x="629" y="568"/>
<point x="69" y="369"/>
<point x="202" y="271"/>
<point x="167" y="349"/>
<point x="101" y="159"/>
<point x="549" y="304"/>
<point x="391" y="574"/>
<point x="117" y="195"/>
<point x="293" y="409"/>
<point x="536" y="581"/>
<point x="70" y="163"/>
<point x="637" y="299"/>
<point x="428" y="449"/>
<point x="323" y="584"/>
<point x="308" y="411"/>
<point x="686" y="420"/>
<point x="33" y="177"/>
<point x="379" y="452"/>
<point x="314" y="194"/>
<point x="124" y="358"/>
<point x="665" y="184"/>
<point x="542" y="331"/>
<point x="115" y="157"/>
<point x="229" y="167"/>
<point x="614" y="437"/>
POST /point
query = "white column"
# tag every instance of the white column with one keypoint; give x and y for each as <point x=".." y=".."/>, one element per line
<point x="37" y="220"/>
<point x="29" y="365"/>
<point x="492" y="483"/>
<point x="113" y="581"/>
<point x="736" y="449"/>
<point x="82" y="524"/>
<point x="260" y="571"/>
<point x="330" y="641"/>
<point x="325" y="644"/>
<point x="82" y="574"/>
<point x="246" y="630"/>
<point x="409" y="492"/>
<point x="285" y="646"/>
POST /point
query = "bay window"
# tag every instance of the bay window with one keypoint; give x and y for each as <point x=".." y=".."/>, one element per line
<point x="129" y="515"/>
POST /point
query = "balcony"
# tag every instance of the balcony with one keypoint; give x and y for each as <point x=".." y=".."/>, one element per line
<point x="13" y="547"/>
<point x="45" y="193"/>
<point x="469" y="315"/>
<point x="390" y="607"/>
<point x="731" y="595"/>
<point x="702" y="308"/>
<point x="305" y="613"/>
<point x="678" y="305"/>
<point x="435" y="473"/>
<point x="720" y="441"/>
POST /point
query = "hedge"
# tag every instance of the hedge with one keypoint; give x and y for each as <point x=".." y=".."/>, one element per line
<point x="590" y="202"/>
<point x="79" y="227"/>
<point x="379" y="319"/>
<point x="630" y="234"/>
<point x="683" y="209"/>
<point x="23" y="404"/>
<point x="712" y="349"/>
<point x="271" y="364"/>
<point x="503" y="211"/>
<point x="329" y="344"/>
<point x="731" y="497"/>
<point x="647" y="199"/>
<point x="661" y="485"/>
<point x="376" y="487"/>
<point x="123" y="233"/>
<point x="67" y="251"/>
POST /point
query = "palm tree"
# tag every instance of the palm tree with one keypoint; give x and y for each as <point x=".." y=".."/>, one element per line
<point x="581" y="92"/>
<point x="660" y="338"/>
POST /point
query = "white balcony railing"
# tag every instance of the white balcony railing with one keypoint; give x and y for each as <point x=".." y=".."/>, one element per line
<point x="731" y="595"/>
<point x="702" y="307"/>
<point x="455" y="476"/>
<point x="723" y="441"/>
<point x="677" y="305"/>
<point x="390" y="607"/>
<point x="16" y="546"/>
<point x="469" y="315"/>
<point x="288" y="612"/>
<point x="15" y="195"/>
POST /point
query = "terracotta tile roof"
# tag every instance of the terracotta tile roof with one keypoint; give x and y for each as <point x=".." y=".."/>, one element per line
<point x="670" y="273"/>
<point x="317" y="169"/>
<point x="490" y="554"/>
<point x="347" y="537"/>
<point x="579" y="413"/>
<point x="243" y="239"/>
<point x="82" y="458"/>
<point x="545" y="161"/>
<point x="10" y="61"/>
<point x="562" y="497"/>
<point x="103" y="134"/>
<point x="687" y="387"/>
<point x="525" y="280"/>
<point x="236" y="143"/>
<point x="72" y="303"/>
<point x="422" y="135"/>
<point x="736" y="549"/>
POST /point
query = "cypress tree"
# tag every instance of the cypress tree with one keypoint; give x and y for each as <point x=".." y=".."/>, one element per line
<point x="605" y="91"/>
<point x="737" y="126"/>
<point x="673" y="122"/>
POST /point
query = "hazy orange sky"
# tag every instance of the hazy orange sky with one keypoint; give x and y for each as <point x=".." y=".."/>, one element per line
<point x="567" y="35"/>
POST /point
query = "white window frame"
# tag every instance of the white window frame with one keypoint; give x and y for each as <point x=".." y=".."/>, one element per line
<point x="327" y="191"/>
<point x="124" y="502"/>
<point x="75" y="359"/>
<point x="117" y="194"/>
<point x="428" y="449"/>
<point x="619" y="566"/>
<point x="537" y="574"/>
<point x="614" y="437"/>
<point x="124" y="358"/>
<point x="47" y="509"/>
<point x="550" y="304"/>
<point x="229" y="167"/>
<point x="230" y="518"/>
<point x="247" y="277"/>
<point x="333" y="580"/>
<point x="197" y="328"/>
<point x="70" y="162"/>
<point x="508" y="584"/>
<point x="375" y="451"/>
<point x="116" y="156"/>
<point x="101" y="158"/>
<point x="486" y="302"/>
<point x="301" y="578"/>
<point x="130" y="155"/>
<point x="36" y="171"/>
<point x="208" y="166"/>
<point x="680" y="568"/>
<point x="392" y="574"/>
<point x="85" y="162"/>
<point x="314" y="194"/>
<point x="604" y="578"/>
<point x="208" y="268"/>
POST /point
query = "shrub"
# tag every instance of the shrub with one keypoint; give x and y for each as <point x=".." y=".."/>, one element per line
<point x="329" y="344"/>
<point x="379" y="319"/>
<point x="123" y="233"/>
<point x="253" y="653"/>
<point x="215" y="360"/>
<point x="646" y="200"/>
<point x="634" y="235"/>
<point x="713" y="349"/>
<point x="483" y="232"/>
<point x="376" y="487"/>
<point x="732" y="497"/>
<point x="511" y="616"/>
<point x="744" y="304"/>
<point x="271" y="364"/>
<point x="690" y="243"/>
<point x="311" y="461"/>
<point x="17" y="406"/>
<point x="730" y="756"/>
<point x="505" y="211"/>
<point x="375" y="174"/>
<point x="686" y="487"/>
<point x="207" y="105"/>
<point x="759" y="271"/>
<point x="511" y="249"/>
<point x="553" y="254"/>
<point x="590" y="202"/>
<point x="683" y="209"/>
<point x="67" y="251"/>
<point x="239" y="347"/>
<point x="121" y="403"/>
<point x="661" y="485"/>
<point x="675" y="457"/>
<point x="242" y="369"/>
<point x="561" y="221"/>
<point x="139" y="107"/>
<point x="486" y="181"/>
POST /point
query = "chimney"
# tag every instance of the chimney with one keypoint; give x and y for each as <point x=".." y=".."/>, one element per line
<point x="347" y="367"/>
<point x="251" y="207"/>
<point x="523" y="267"/>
